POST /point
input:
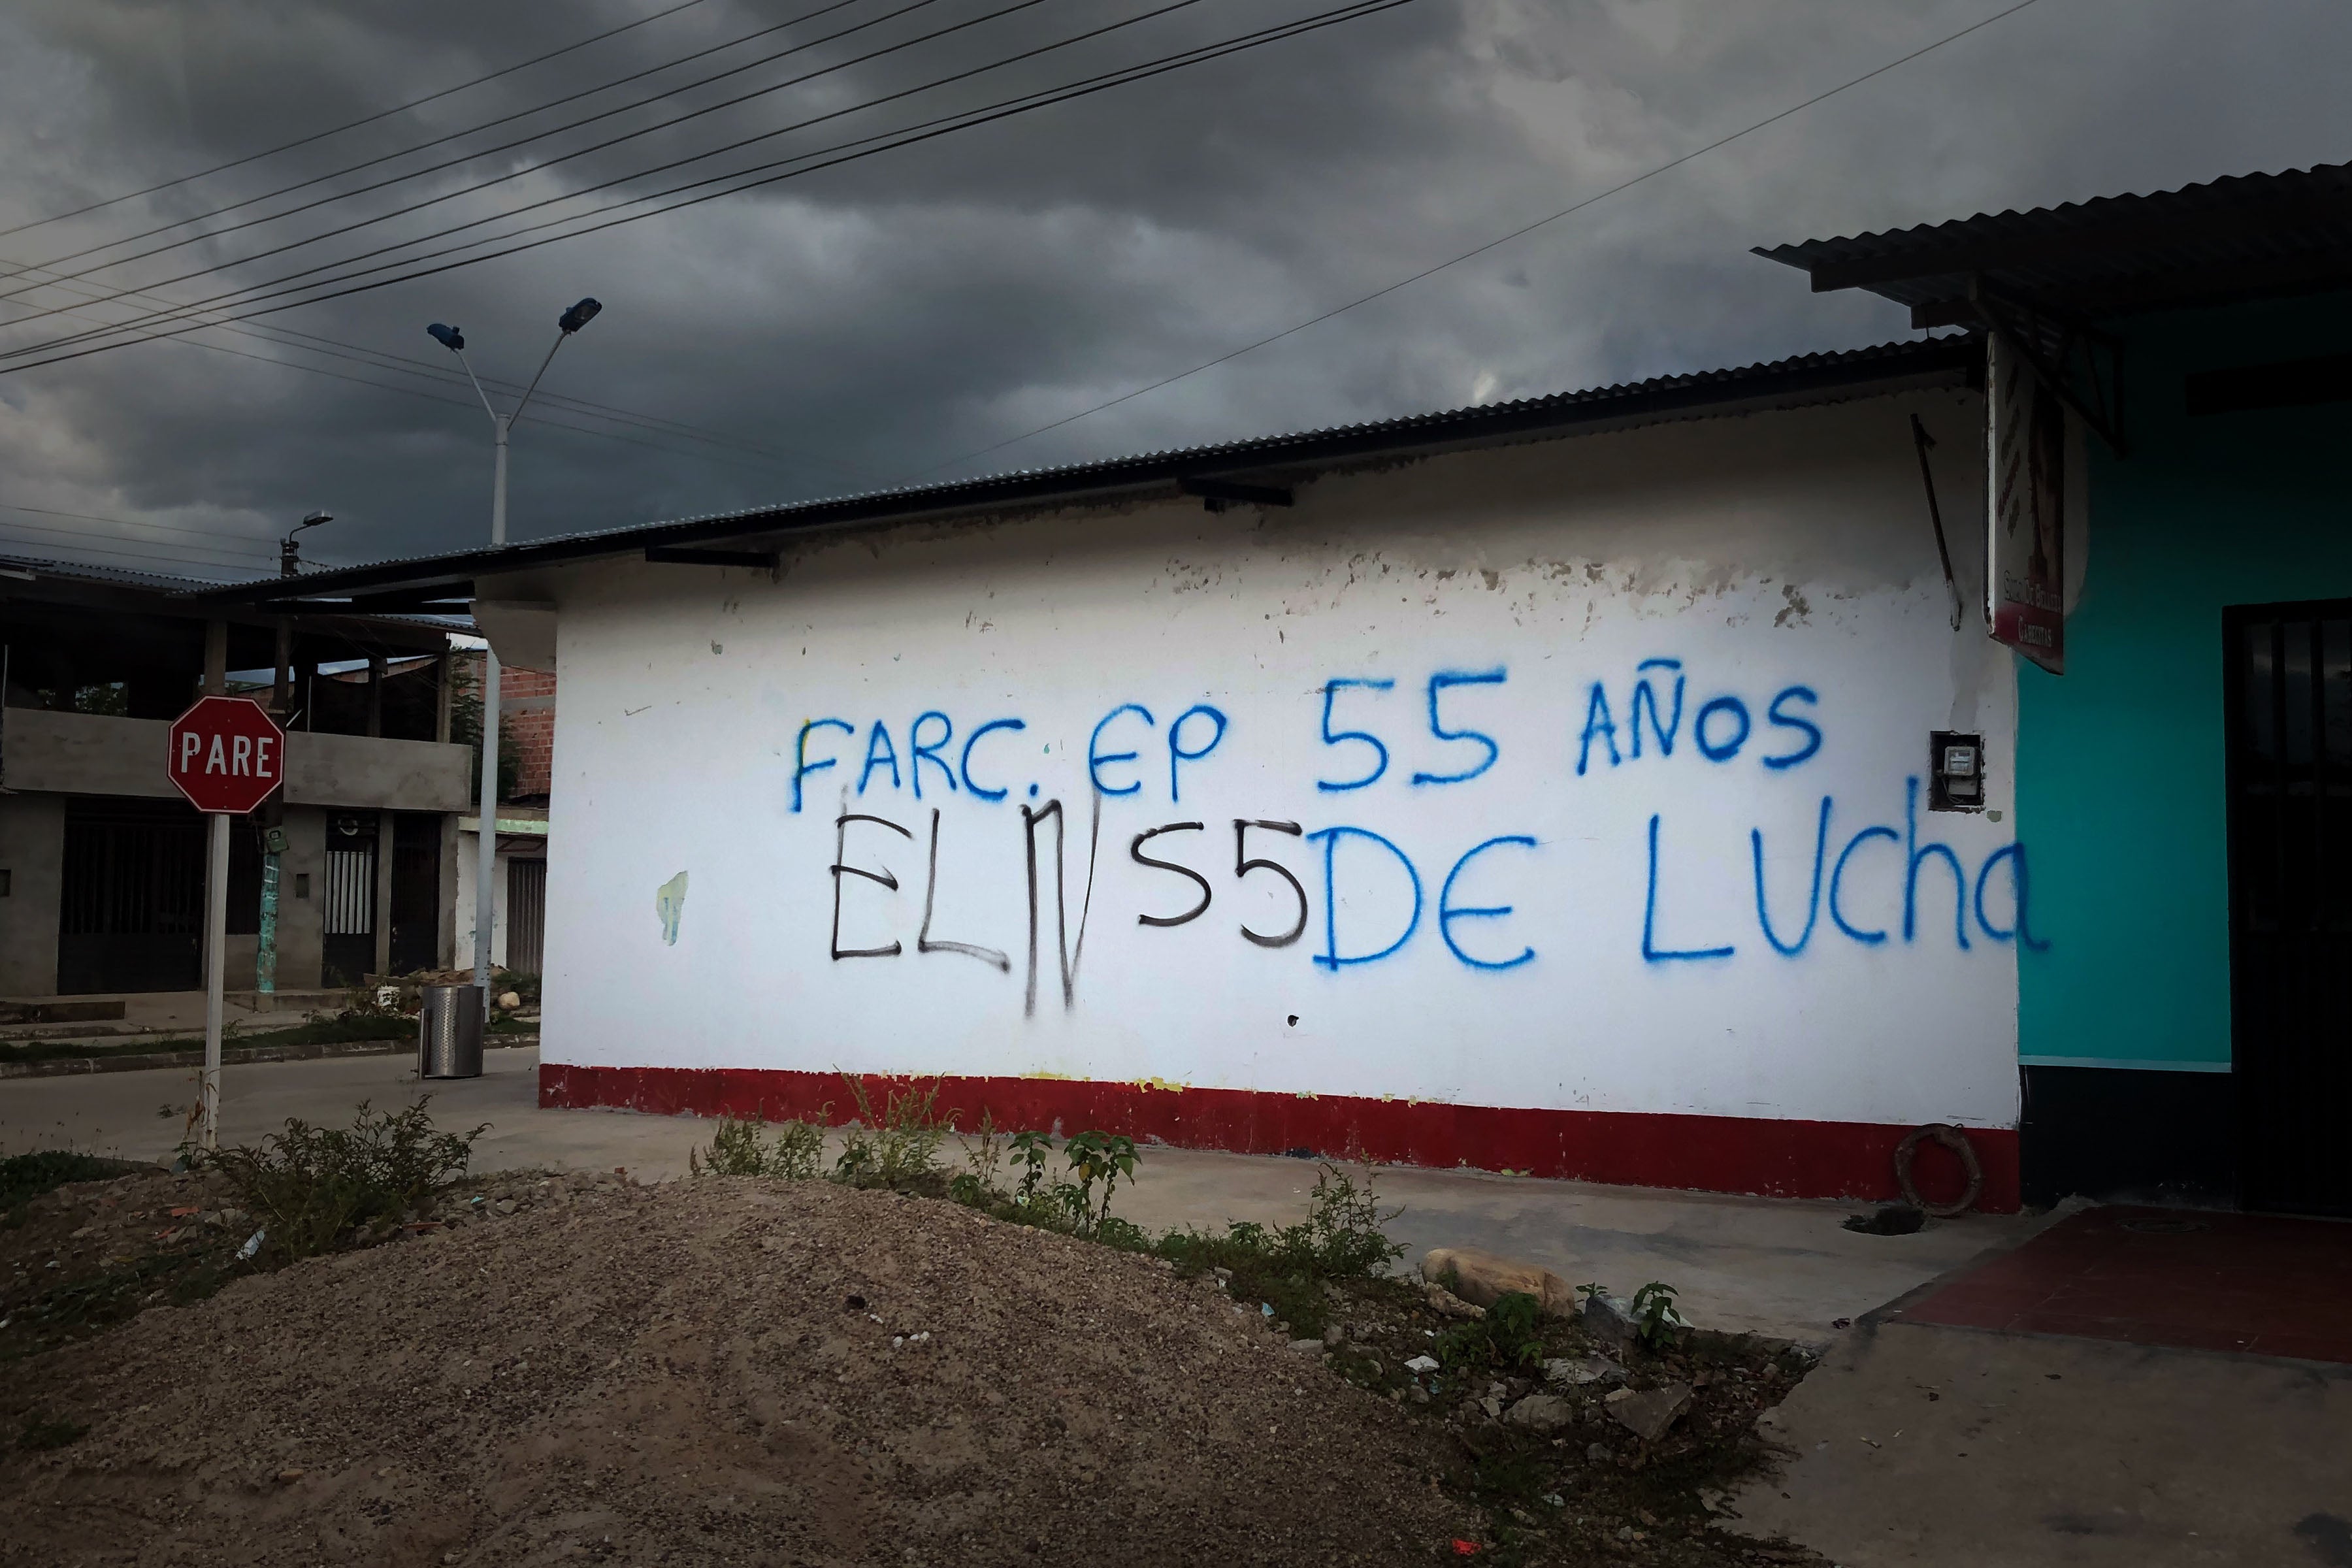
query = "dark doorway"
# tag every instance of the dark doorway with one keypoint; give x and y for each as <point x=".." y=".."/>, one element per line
<point x="2289" y="699"/>
<point x="347" y="939"/>
<point x="416" y="892"/>
<point x="132" y="915"/>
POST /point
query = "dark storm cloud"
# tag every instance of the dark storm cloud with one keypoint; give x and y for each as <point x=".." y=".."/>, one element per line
<point x="871" y="323"/>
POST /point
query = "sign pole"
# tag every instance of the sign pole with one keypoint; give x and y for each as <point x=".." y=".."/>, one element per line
<point x="227" y="756"/>
<point x="215" y="967"/>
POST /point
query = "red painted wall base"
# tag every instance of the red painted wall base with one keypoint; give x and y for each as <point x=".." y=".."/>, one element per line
<point x="1707" y="1153"/>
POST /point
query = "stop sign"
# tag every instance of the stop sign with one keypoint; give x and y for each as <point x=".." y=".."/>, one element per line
<point x="228" y="754"/>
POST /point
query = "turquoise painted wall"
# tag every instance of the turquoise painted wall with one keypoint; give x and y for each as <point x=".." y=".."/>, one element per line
<point x="2120" y="760"/>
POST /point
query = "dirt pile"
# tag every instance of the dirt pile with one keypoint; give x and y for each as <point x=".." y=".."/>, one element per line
<point x="716" y="1371"/>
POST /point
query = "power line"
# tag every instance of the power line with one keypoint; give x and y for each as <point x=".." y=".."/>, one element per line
<point x="186" y="555"/>
<point x="888" y="140"/>
<point x="276" y="334"/>
<point x="544" y="162"/>
<point x="457" y="401"/>
<point x="117" y="521"/>
<point x="466" y="158"/>
<point x="1490" y="244"/>
<point x="352" y="124"/>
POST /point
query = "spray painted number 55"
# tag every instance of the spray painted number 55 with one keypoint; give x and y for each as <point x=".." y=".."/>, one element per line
<point x="1243" y="864"/>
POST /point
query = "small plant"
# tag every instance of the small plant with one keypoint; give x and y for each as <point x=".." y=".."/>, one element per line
<point x="984" y="1153"/>
<point x="899" y="1148"/>
<point x="1341" y="1237"/>
<point x="1291" y="1267"/>
<point x="1029" y="1151"/>
<point x="1655" y="1320"/>
<point x="1113" y="1231"/>
<point x="314" y="1187"/>
<point x="736" y="1150"/>
<point x="1509" y="1335"/>
<point x="1096" y="1157"/>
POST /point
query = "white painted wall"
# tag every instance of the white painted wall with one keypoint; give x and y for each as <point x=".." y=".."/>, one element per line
<point x="1766" y="552"/>
<point x="468" y="852"/>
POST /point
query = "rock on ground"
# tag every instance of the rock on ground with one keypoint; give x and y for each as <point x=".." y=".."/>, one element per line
<point x="703" y="1372"/>
<point x="1575" y="1372"/>
<point x="1480" y="1277"/>
<point x="1647" y="1416"/>
<point x="1542" y="1413"/>
<point x="1609" y="1319"/>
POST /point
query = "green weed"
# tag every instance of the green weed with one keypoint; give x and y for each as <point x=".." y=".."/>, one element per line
<point x="1510" y="1335"/>
<point x="1292" y="1268"/>
<point x="315" y="1188"/>
<point x="1655" y="1316"/>
<point x="899" y="1148"/>
<point x="1095" y="1157"/>
<point x="735" y="1150"/>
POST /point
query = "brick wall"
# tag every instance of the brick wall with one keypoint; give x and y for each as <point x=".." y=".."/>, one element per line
<point x="527" y="700"/>
<point x="527" y="708"/>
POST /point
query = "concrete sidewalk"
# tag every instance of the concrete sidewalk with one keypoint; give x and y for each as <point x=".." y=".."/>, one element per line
<point x="1764" y="1266"/>
<point x="172" y="1012"/>
<point x="1915" y="1446"/>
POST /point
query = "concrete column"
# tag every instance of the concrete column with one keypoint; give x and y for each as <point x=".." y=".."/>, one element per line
<point x="445" y="938"/>
<point x="376" y="694"/>
<point x="281" y="692"/>
<point x="383" y="883"/>
<point x="442" y="672"/>
<point x="216" y="658"/>
<point x="32" y="855"/>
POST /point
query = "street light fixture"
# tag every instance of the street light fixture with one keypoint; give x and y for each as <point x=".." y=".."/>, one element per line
<point x="487" y="823"/>
<point x="289" y="548"/>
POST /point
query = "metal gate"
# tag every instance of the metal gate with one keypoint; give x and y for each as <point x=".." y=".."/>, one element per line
<point x="132" y="911"/>
<point x="2289" y="699"/>
<point x="525" y="915"/>
<point x="347" y="918"/>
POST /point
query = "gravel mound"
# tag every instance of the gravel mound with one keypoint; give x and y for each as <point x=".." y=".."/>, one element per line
<point x="724" y="1370"/>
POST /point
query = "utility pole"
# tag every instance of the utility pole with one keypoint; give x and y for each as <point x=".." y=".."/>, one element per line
<point x="273" y="814"/>
<point x="486" y="860"/>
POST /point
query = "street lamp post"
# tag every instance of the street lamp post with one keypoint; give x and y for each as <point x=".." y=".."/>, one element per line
<point x="486" y="834"/>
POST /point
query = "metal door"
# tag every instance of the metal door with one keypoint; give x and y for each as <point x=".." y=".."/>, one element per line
<point x="131" y="910"/>
<point x="525" y="915"/>
<point x="347" y="939"/>
<point x="2289" y="700"/>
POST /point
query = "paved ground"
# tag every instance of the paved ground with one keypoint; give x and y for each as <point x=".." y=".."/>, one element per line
<point x="1921" y="1445"/>
<point x="1765" y="1266"/>
<point x="2263" y="1283"/>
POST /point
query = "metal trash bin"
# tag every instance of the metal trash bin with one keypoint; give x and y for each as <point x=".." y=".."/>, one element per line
<point x="449" y="1032"/>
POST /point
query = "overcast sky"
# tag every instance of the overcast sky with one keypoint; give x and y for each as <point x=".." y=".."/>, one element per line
<point x="898" y="318"/>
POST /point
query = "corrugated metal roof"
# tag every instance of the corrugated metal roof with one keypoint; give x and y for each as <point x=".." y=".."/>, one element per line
<point x="1264" y="458"/>
<point x="2244" y="236"/>
<point x="180" y="591"/>
<point x="109" y="576"/>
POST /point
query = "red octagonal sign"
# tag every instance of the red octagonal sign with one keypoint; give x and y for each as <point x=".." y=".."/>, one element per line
<point x="228" y="754"/>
